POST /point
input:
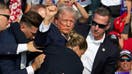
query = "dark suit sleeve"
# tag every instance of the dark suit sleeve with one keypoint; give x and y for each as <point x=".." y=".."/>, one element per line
<point x="41" y="39"/>
<point x="9" y="66"/>
<point x="110" y="67"/>
<point x="52" y="36"/>
<point x="111" y="62"/>
<point x="7" y="45"/>
<point x="8" y="49"/>
<point x="9" y="36"/>
<point x="82" y="28"/>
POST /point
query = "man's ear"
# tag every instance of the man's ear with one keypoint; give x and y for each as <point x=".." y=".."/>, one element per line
<point x="22" y="26"/>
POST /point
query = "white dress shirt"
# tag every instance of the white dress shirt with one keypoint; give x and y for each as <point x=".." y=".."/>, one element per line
<point x="89" y="55"/>
<point x="21" y="49"/>
<point x="44" y="28"/>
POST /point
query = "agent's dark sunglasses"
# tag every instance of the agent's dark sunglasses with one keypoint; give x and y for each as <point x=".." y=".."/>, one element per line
<point x="7" y="16"/>
<point x="102" y="26"/>
<point x="125" y="59"/>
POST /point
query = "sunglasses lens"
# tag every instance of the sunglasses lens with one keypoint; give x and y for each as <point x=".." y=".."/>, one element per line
<point x="125" y="59"/>
<point x="100" y="25"/>
<point x="94" y="23"/>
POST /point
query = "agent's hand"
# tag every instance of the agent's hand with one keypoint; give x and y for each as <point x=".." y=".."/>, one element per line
<point x="38" y="61"/>
<point x="32" y="48"/>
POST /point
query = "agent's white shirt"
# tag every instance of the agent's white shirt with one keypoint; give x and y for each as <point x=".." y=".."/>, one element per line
<point x="22" y="48"/>
<point x="89" y="55"/>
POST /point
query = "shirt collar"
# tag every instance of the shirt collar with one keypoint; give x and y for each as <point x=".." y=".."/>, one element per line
<point x="96" y="41"/>
<point x="67" y="37"/>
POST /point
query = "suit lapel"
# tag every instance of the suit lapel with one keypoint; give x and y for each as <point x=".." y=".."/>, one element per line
<point x="99" y="56"/>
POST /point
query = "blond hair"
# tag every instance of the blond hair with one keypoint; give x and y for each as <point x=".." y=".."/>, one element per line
<point x="77" y="40"/>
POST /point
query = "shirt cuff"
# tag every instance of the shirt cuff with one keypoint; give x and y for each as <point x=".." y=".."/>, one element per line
<point x="30" y="70"/>
<point x="21" y="48"/>
<point x="44" y="28"/>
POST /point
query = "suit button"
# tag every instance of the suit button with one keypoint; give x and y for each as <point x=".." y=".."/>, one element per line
<point x="8" y="53"/>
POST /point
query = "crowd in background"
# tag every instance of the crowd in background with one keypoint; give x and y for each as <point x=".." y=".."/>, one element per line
<point x="65" y="36"/>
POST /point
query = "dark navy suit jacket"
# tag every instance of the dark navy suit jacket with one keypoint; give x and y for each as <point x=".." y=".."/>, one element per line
<point x="8" y="47"/>
<point x="60" y="60"/>
<point x="9" y="60"/>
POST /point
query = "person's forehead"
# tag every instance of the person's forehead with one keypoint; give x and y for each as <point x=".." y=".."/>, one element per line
<point x="124" y="56"/>
<point x="103" y="19"/>
<point x="67" y="13"/>
<point x="101" y="16"/>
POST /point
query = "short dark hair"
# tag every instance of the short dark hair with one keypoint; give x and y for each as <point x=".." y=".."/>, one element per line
<point x="31" y="18"/>
<point x="102" y="11"/>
